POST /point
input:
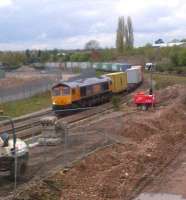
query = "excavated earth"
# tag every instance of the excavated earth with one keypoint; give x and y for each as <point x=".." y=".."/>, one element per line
<point x="145" y="143"/>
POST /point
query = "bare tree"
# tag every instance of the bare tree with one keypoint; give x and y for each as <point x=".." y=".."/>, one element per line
<point x="92" y="45"/>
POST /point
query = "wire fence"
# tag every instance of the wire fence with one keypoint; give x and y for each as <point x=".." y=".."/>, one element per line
<point x="58" y="146"/>
<point x="43" y="82"/>
<point x="25" y="90"/>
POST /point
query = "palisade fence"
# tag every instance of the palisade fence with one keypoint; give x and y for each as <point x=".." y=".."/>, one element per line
<point x="50" y="75"/>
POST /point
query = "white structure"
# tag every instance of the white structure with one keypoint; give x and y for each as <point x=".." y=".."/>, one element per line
<point x="168" y="44"/>
<point x="134" y="75"/>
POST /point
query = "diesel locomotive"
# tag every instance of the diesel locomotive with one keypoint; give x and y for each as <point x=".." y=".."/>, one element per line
<point x="93" y="91"/>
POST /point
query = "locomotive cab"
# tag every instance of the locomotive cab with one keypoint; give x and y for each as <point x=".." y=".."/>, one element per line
<point x="61" y="95"/>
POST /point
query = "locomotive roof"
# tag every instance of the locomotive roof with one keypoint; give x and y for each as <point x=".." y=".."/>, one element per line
<point x="84" y="82"/>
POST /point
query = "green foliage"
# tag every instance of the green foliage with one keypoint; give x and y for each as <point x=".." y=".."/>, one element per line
<point x="116" y="102"/>
<point x="79" y="57"/>
<point x="12" y="59"/>
<point x="99" y="73"/>
<point x="174" y="56"/>
<point x="182" y="57"/>
<point x="120" y="35"/>
<point x="163" y="81"/>
<point x="25" y="106"/>
<point x="124" y="35"/>
<point x="107" y="55"/>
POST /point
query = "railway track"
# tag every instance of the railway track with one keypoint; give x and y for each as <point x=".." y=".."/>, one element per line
<point x="56" y="156"/>
<point x="29" y="125"/>
<point x="25" y="125"/>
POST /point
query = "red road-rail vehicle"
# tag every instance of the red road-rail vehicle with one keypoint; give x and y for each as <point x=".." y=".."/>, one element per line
<point x="144" y="101"/>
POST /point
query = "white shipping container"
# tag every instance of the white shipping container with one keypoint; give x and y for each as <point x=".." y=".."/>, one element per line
<point x="139" y="68"/>
<point x="134" y="75"/>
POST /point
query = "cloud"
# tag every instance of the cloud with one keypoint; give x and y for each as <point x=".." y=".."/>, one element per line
<point x="5" y="3"/>
<point x="70" y="24"/>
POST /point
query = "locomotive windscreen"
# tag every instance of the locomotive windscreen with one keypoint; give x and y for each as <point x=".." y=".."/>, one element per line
<point x="61" y="91"/>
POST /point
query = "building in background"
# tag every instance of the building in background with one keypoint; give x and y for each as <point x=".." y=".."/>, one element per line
<point x="160" y="43"/>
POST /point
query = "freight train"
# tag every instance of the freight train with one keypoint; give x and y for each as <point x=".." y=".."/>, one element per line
<point x="93" y="91"/>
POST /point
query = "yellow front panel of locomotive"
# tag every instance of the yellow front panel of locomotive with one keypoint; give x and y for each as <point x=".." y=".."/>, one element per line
<point x="61" y="100"/>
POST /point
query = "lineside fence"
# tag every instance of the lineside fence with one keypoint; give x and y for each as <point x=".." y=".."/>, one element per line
<point x="59" y="146"/>
<point x="43" y="81"/>
<point x="24" y="90"/>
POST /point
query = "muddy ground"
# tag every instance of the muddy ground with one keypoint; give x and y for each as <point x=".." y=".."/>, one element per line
<point x="145" y="143"/>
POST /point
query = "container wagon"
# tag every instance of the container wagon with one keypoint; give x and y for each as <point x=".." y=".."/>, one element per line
<point x="119" y="81"/>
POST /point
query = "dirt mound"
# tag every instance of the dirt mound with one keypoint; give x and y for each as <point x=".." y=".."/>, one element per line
<point x="170" y="93"/>
<point x="117" y="172"/>
<point x="122" y="170"/>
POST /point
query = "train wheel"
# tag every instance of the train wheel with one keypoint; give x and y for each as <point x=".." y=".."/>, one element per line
<point x="89" y="103"/>
<point x="83" y="104"/>
<point x="102" y="99"/>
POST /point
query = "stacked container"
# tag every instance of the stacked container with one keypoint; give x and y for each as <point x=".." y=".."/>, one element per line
<point x="134" y="76"/>
<point x="124" y="67"/>
<point x="140" y="69"/>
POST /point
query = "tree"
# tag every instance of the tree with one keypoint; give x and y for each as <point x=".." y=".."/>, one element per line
<point x="130" y="35"/>
<point x="159" y="41"/>
<point x="126" y="37"/>
<point x="124" y="34"/>
<point x="95" y="56"/>
<point x="148" y="45"/>
<point x="175" y="40"/>
<point x="183" y="40"/>
<point x="28" y="55"/>
<point x="92" y="45"/>
<point x="182" y="57"/>
<point x="120" y="35"/>
<point x="174" y="56"/>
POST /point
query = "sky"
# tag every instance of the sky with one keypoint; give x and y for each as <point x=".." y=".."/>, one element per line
<point x="69" y="24"/>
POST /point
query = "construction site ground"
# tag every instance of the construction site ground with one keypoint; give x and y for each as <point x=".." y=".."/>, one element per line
<point x="170" y="183"/>
<point x="147" y="154"/>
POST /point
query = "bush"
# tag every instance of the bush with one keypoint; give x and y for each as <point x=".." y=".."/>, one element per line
<point x="160" y="68"/>
<point x="116" y="102"/>
<point x="182" y="57"/>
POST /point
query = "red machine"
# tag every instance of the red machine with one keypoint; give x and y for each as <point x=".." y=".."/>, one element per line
<point x="144" y="101"/>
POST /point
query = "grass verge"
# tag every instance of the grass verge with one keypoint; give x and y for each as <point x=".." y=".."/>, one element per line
<point x="163" y="81"/>
<point x="25" y="106"/>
